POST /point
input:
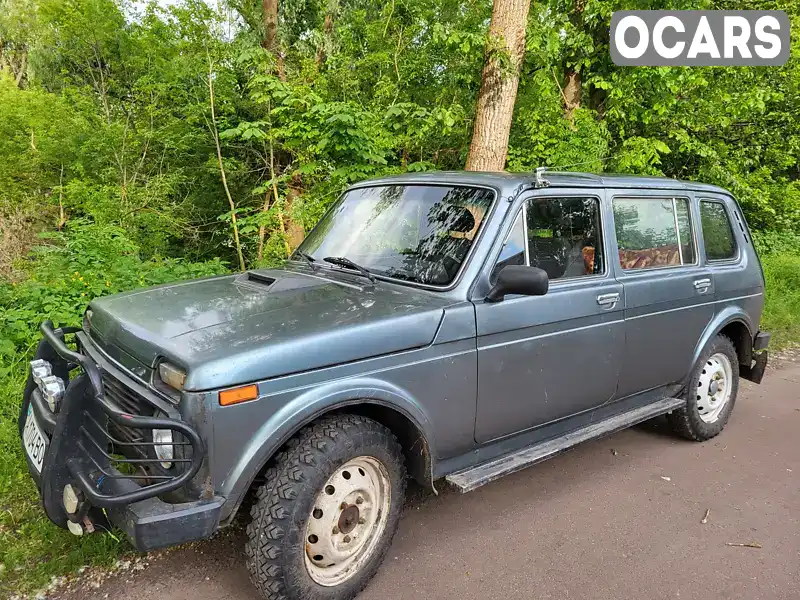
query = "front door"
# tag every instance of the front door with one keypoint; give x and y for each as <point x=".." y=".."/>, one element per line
<point x="545" y="358"/>
<point x="669" y="293"/>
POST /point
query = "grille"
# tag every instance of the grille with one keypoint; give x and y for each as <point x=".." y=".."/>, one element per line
<point x="129" y="449"/>
<point x="126" y="398"/>
<point x="131" y="402"/>
<point x="112" y="422"/>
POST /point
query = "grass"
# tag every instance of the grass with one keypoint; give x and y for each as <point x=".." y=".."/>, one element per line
<point x="33" y="550"/>
<point x="782" y="310"/>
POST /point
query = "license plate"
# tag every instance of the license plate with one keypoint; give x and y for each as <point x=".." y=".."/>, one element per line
<point x="34" y="440"/>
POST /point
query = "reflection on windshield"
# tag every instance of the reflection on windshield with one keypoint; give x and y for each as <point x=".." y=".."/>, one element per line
<point x="418" y="233"/>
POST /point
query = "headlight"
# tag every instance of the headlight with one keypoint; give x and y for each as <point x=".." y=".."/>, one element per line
<point x="164" y="449"/>
<point x="52" y="388"/>
<point x="171" y="375"/>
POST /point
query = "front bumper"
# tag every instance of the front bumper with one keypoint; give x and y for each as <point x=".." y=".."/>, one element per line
<point x="84" y="451"/>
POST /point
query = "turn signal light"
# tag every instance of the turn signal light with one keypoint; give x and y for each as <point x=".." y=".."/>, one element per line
<point x="236" y="395"/>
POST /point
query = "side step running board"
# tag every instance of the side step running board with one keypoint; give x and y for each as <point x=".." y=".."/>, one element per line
<point x="470" y="479"/>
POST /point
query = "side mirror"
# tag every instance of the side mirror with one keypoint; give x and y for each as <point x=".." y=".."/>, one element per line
<point x="519" y="279"/>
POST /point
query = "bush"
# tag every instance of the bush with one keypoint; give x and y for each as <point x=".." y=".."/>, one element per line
<point x="69" y="269"/>
<point x="776" y="242"/>
<point x="782" y="311"/>
<point x="780" y="258"/>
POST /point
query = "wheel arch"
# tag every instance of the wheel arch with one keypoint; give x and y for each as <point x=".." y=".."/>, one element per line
<point x="383" y="402"/>
<point x="739" y="333"/>
<point x="734" y="323"/>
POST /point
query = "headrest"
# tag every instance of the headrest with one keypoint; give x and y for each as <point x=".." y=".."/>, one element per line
<point x="456" y="218"/>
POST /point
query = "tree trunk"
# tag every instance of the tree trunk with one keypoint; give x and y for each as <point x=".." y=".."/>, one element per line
<point x="294" y="230"/>
<point x="327" y="30"/>
<point x="505" y="50"/>
<point x="270" y="41"/>
<point x="573" y="87"/>
<point x="215" y="133"/>
<point x="572" y="92"/>
<point x="270" y="25"/>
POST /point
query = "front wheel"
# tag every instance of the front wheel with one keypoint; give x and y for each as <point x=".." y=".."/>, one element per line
<point x="326" y="515"/>
<point x="711" y="393"/>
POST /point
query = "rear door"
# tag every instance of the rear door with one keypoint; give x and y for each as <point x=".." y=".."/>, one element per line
<point x="545" y="358"/>
<point x="669" y="292"/>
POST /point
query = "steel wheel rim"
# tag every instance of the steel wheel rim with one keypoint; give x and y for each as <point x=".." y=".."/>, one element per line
<point x="347" y="520"/>
<point x="714" y="387"/>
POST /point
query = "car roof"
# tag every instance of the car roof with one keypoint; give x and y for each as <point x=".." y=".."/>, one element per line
<point x="509" y="182"/>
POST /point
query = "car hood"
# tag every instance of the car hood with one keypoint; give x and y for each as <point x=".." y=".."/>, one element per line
<point x="236" y="329"/>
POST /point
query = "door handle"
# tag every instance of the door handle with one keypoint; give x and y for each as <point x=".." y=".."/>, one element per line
<point x="702" y="285"/>
<point x="608" y="299"/>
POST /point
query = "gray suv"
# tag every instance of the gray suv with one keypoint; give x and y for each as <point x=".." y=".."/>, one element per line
<point x="442" y="326"/>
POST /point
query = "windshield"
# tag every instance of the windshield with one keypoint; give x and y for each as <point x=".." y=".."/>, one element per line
<point x="418" y="233"/>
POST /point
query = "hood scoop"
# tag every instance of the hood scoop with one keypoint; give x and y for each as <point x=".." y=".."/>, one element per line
<point x="259" y="278"/>
<point x="274" y="281"/>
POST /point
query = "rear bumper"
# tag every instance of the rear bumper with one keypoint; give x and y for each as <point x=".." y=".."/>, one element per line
<point x="760" y="356"/>
<point x="83" y="452"/>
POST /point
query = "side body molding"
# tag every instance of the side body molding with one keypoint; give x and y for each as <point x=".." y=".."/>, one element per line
<point x="305" y="408"/>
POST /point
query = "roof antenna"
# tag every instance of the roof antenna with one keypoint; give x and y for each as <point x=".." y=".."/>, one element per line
<point x="540" y="181"/>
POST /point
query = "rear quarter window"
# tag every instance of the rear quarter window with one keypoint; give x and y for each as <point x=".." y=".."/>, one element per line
<point x="718" y="235"/>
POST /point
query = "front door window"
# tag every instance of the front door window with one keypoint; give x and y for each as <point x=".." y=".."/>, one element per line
<point x="513" y="251"/>
<point x="564" y="237"/>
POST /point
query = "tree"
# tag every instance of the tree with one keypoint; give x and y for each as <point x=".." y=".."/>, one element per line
<point x="327" y="31"/>
<point x="270" y="42"/>
<point x="17" y="29"/>
<point x="270" y="8"/>
<point x="505" y="49"/>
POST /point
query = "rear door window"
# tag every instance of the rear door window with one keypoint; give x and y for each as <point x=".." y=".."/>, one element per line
<point x="717" y="231"/>
<point x="654" y="233"/>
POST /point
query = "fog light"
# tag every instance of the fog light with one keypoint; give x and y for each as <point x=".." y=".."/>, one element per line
<point x="52" y="388"/>
<point x="71" y="499"/>
<point x="164" y="449"/>
<point x="75" y="528"/>
<point x="40" y="369"/>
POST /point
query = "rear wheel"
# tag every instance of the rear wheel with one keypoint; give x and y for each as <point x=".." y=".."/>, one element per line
<point x="711" y="393"/>
<point x="325" y="517"/>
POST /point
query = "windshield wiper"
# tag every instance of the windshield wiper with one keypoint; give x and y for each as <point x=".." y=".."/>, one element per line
<point x="343" y="261"/>
<point x="308" y="258"/>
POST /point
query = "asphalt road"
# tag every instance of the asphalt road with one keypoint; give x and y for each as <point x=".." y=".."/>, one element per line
<point x="614" y="519"/>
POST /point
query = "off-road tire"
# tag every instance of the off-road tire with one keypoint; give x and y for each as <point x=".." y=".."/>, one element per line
<point x="686" y="421"/>
<point x="276" y="546"/>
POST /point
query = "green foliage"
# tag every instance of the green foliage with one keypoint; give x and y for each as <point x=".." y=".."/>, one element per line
<point x="782" y="310"/>
<point x="71" y="268"/>
<point x="777" y="242"/>
<point x="68" y="269"/>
